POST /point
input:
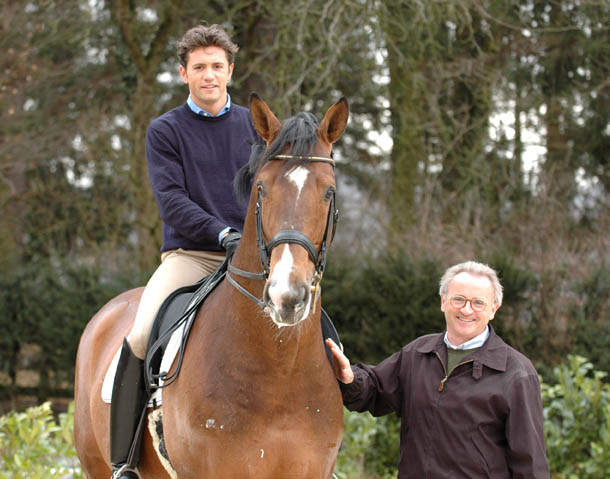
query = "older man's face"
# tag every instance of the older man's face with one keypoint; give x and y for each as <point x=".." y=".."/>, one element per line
<point x="464" y="323"/>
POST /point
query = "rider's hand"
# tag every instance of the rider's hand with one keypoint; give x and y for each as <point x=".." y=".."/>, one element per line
<point x="230" y="241"/>
<point x="341" y="366"/>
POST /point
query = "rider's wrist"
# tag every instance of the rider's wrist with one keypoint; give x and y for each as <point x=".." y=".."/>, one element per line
<point x="223" y="233"/>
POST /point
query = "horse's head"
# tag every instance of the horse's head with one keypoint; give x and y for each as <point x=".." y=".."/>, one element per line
<point x="294" y="190"/>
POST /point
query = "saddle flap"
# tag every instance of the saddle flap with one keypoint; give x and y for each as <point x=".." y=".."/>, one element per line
<point x="170" y="312"/>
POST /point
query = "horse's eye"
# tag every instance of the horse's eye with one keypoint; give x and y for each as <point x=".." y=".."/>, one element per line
<point x="330" y="192"/>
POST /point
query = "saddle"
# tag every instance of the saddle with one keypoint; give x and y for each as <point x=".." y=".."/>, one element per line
<point x="177" y="313"/>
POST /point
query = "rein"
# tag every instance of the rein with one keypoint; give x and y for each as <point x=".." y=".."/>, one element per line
<point x="318" y="258"/>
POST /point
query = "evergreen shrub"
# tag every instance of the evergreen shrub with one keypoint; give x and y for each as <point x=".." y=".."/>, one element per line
<point x="577" y="421"/>
<point x="380" y="304"/>
<point x="370" y="448"/>
<point x="589" y="327"/>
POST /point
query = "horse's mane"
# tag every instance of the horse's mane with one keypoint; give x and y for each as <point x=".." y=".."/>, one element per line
<point x="299" y="133"/>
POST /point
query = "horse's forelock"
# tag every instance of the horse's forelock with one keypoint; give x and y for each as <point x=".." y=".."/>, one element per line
<point x="298" y="135"/>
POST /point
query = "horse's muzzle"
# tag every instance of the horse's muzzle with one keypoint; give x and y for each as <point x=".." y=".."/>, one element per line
<point x="289" y="306"/>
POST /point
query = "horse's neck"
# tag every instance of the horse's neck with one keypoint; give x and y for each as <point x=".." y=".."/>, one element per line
<point x="252" y="330"/>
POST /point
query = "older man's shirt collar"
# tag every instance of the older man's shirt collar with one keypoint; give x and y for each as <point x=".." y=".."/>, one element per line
<point x="475" y="342"/>
<point x="200" y="111"/>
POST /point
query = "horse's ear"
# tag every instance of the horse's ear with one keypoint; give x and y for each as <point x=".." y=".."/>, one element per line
<point x="265" y="122"/>
<point x="333" y="123"/>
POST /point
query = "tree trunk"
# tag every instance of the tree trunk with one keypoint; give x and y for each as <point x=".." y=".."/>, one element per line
<point x="147" y="91"/>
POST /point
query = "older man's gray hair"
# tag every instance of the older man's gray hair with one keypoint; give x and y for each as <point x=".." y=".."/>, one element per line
<point x="472" y="267"/>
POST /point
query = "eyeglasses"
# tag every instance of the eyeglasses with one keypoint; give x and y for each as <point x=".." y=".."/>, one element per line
<point x="459" y="302"/>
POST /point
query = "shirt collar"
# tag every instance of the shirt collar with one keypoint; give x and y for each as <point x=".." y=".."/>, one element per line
<point x="200" y="111"/>
<point x="493" y="354"/>
<point x="475" y="342"/>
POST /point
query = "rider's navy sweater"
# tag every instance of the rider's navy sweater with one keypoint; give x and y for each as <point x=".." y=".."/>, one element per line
<point x="192" y="161"/>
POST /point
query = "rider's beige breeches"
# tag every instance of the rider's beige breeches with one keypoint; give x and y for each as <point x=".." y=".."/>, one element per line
<point x="178" y="268"/>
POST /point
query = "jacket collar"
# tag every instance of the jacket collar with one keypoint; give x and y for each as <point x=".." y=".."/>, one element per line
<point x="493" y="353"/>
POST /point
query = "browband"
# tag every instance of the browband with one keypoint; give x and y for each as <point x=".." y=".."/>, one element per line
<point x="321" y="159"/>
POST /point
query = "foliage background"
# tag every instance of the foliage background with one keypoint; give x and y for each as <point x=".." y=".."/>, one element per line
<point x="479" y="129"/>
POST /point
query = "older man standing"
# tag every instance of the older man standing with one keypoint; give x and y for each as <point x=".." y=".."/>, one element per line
<point x="469" y="404"/>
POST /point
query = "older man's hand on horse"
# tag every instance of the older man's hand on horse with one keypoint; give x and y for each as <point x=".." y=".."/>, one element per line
<point x="341" y="366"/>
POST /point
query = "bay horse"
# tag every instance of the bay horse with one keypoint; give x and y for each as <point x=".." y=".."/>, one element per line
<point x="256" y="396"/>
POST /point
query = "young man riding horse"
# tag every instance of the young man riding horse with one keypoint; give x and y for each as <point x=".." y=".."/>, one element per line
<point x="193" y="153"/>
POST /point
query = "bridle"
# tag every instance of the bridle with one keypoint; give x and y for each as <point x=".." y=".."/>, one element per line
<point x="318" y="258"/>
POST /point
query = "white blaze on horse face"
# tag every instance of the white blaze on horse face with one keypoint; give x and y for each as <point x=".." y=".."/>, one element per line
<point x="298" y="176"/>
<point x="281" y="287"/>
<point x="280" y="278"/>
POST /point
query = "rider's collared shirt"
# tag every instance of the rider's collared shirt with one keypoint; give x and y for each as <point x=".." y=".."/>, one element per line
<point x="200" y="111"/>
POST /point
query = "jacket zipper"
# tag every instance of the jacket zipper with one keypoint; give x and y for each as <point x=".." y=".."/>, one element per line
<point x="442" y="384"/>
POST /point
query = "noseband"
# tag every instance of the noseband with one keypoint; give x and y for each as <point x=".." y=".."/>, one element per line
<point x="318" y="258"/>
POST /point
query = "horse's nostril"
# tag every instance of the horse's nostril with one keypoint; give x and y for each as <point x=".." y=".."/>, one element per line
<point x="296" y="298"/>
<point x="304" y="294"/>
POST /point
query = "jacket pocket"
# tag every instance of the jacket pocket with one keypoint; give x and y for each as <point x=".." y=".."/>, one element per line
<point x="479" y="445"/>
<point x="492" y="457"/>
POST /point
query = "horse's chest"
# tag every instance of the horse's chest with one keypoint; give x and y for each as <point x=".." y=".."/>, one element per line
<point x="250" y="414"/>
<point x="261" y="436"/>
<point x="270" y="450"/>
